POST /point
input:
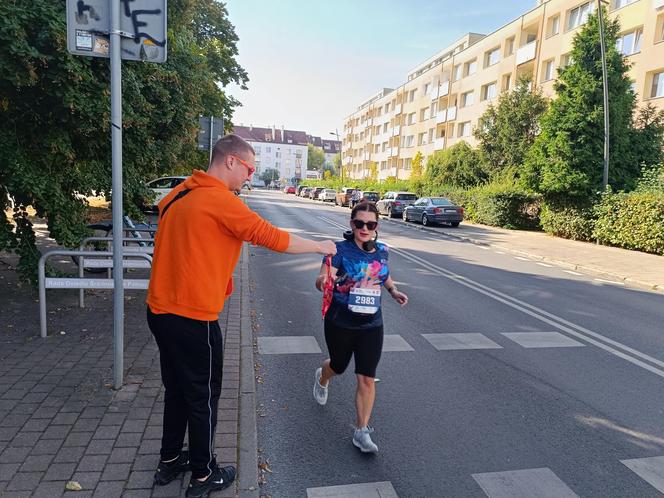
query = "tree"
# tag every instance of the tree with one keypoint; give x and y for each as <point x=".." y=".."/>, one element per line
<point x="648" y="137"/>
<point x="315" y="158"/>
<point x="270" y="175"/>
<point x="566" y="160"/>
<point x="461" y="166"/>
<point x="373" y="171"/>
<point x="337" y="162"/>
<point x="416" y="166"/>
<point x="508" y="129"/>
<point x="55" y="114"/>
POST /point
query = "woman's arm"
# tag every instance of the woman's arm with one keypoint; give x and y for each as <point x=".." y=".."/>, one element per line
<point x="397" y="295"/>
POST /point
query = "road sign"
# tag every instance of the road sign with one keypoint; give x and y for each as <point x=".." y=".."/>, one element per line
<point x="142" y="28"/>
<point x="204" y="140"/>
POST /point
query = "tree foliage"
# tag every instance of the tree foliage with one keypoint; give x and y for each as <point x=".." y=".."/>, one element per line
<point x="566" y="160"/>
<point x="315" y="158"/>
<point x="461" y="166"/>
<point x="55" y="114"/>
<point x="270" y="175"/>
<point x="508" y="129"/>
<point x="417" y="167"/>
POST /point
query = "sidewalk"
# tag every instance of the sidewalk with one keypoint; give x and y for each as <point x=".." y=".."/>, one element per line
<point x="60" y="420"/>
<point x="633" y="268"/>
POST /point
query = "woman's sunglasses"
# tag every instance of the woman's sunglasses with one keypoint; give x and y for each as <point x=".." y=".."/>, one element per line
<point x="359" y="224"/>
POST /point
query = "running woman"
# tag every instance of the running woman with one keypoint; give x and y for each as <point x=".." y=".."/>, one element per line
<point x="354" y="321"/>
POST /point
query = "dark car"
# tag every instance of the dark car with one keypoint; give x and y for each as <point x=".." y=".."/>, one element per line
<point x="314" y="193"/>
<point x="367" y="196"/>
<point x="434" y="210"/>
<point x="393" y="203"/>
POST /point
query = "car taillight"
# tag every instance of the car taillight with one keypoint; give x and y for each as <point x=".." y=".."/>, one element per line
<point x="460" y="210"/>
<point x="437" y="211"/>
<point x="397" y="203"/>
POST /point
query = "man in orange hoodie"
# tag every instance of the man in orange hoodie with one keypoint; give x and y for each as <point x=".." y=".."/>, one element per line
<point x="202" y="226"/>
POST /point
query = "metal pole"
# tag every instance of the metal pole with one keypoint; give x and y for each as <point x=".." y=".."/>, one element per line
<point x="116" y="141"/>
<point x="211" y="130"/>
<point x="605" y="179"/>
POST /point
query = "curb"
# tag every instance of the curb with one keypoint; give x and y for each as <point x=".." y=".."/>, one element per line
<point x="247" y="437"/>
<point x="572" y="266"/>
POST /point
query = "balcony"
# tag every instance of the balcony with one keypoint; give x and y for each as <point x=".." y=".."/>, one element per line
<point x="658" y="4"/>
<point x="366" y="156"/>
<point x="443" y="88"/>
<point x="396" y="130"/>
<point x="441" y="116"/>
<point x="439" y="143"/>
<point x="433" y="93"/>
<point x="451" y="113"/>
<point x="397" y="109"/>
<point x="526" y="53"/>
<point x="394" y="152"/>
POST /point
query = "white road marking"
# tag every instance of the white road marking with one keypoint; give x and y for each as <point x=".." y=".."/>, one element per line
<point x="450" y="342"/>
<point x="288" y="345"/>
<point x="521" y="259"/>
<point x="609" y="281"/>
<point x="393" y="343"/>
<point x="573" y="273"/>
<point x="527" y="483"/>
<point x="364" y="490"/>
<point x="650" y="470"/>
<point x="542" y="340"/>
<point x="545" y="265"/>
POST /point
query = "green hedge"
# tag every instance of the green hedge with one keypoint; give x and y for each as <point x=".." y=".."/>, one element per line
<point x="633" y="221"/>
<point x="570" y="222"/>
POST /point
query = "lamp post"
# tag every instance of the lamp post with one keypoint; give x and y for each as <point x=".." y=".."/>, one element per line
<point x="341" y="156"/>
<point x="605" y="178"/>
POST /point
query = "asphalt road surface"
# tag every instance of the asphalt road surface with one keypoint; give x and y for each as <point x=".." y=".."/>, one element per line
<point x="503" y="377"/>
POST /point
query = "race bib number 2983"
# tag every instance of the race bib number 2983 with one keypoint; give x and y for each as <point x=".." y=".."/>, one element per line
<point x="364" y="300"/>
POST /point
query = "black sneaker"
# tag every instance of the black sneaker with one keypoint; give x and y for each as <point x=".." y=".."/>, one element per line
<point x="166" y="472"/>
<point x="220" y="478"/>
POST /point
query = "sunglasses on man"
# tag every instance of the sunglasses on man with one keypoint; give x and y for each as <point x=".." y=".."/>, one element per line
<point x="359" y="224"/>
<point x="246" y="165"/>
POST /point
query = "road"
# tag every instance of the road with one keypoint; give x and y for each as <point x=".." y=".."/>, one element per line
<point x="503" y="377"/>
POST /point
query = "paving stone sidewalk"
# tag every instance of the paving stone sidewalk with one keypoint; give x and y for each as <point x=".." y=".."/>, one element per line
<point x="60" y="420"/>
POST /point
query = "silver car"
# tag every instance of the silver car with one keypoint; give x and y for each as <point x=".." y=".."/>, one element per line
<point x="434" y="210"/>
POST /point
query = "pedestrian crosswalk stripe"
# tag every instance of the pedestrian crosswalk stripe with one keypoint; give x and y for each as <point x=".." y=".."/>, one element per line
<point x="395" y="343"/>
<point x="460" y="341"/>
<point x="527" y="483"/>
<point x="288" y="345"/>
<point x="364" y="490"/>
<point x="542" y="339"/>
<point x="650" y="470"/>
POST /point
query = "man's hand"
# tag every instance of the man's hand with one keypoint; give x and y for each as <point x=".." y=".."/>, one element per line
<point x="327" y="247"/>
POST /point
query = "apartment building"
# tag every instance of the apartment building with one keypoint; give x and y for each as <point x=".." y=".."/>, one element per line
<point x="281" y="149"/>
<point x="443" y="98"/>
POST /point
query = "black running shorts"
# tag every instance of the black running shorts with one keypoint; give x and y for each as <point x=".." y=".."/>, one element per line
<point x="365" y="344"/>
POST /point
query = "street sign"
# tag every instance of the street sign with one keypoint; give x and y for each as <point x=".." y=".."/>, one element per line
<point x="204" y="140"/>
<point x="142" y="28"/>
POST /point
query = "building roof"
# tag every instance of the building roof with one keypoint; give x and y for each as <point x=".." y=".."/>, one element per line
<point x="328" y="146"/>
<point x="271" y="135"/>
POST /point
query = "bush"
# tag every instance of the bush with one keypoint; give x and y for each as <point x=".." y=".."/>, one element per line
<point x="632" y="221"/>
<point x="570" y="222"/>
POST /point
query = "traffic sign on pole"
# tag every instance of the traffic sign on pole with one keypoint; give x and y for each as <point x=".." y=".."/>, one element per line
<point x="211" y="129"/>
<point x="142" y="29"/>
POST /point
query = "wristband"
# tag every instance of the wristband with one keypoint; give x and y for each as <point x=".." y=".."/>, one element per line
<point x="391" y="289"/>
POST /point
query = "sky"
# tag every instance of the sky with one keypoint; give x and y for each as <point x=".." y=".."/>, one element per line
<point x="312" y="63"/>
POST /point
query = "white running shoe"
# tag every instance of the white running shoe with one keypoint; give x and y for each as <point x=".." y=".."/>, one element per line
<point x="320" y="392"/>
<point x="362" y="440"/>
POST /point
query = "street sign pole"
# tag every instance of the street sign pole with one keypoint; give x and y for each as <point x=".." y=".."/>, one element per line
<point x="116" y="148"/>
<point x="211" y="137"/>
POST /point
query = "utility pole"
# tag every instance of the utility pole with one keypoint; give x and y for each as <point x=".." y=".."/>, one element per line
<point x="605" y="179"/>
<point x="341" y="156"/>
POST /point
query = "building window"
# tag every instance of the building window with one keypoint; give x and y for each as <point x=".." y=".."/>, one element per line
<point x="657" y="85"/>
<point x="579" y="15"/>
<point x="457" y="72"/>
<point x="492" y="57"/>
<point x="257" y="149"/>
<point x="422" y="138"/>
<point x="411" y="95"/>
<point x="407" y="163"/>
<point x="509" y="46"/>
<point x="387" y="108"/>
<point x="427" y="88"/>
<point x="507" y="81"/>
<point x="630" y="43"/>
<point x="409" y="140"/>
<point x="619" y="4"/>
<point x="434" y="109"/>
<point x="489" y="91"/>
<point x="432" y="134"/>
<point x="268" y="149"/>
<point x="411" y="118"/>
<point x="470" y="68"/>
<point x="467" y="99"/>
<point x="565" y="60"/>
<point x="547" y="70"/>
<point x="553" y="25"/>
<point x="464" y="129"/>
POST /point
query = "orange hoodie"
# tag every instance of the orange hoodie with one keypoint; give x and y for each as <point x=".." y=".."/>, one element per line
<point x="198" y="244"/>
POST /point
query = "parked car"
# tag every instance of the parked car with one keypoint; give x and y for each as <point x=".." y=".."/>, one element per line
<point x="289" y="189"/>
<point x="305" y="192"/>
<point x="160" y="188"/>
<point x="393" y="203"/>
<point x="367" y="196"/>
<point x="434" y="210"/>
<point x="314" y="192"/>
<point x="299" y="190"/>
<point x="327" y="194"/>
<point x="343" y="197"/>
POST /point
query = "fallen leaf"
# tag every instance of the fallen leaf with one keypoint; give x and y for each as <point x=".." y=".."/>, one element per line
<point x="73" y="486"/>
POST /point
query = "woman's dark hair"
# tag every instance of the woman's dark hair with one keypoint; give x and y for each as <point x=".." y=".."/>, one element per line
<point x="365" y="206"/>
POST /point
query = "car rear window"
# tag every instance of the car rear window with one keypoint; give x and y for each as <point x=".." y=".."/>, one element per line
<point x="441" y="202"/>
<point x="406" y="197"/>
